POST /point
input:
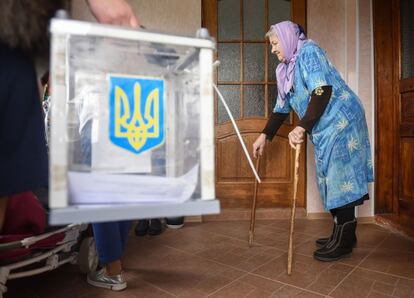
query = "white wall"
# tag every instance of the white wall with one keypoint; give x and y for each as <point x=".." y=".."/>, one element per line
<point x="344" y="29"/>
<point x="182" y="17"/>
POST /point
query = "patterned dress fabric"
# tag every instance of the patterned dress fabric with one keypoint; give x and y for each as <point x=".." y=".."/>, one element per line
<point x="340" y="138"/>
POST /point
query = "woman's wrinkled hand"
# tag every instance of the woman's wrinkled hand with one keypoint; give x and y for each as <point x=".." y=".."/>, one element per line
<point x="296" y="136"/>
<point x="258" y="145"/>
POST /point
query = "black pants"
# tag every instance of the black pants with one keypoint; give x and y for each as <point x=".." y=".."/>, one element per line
<point x="346" y="213"/>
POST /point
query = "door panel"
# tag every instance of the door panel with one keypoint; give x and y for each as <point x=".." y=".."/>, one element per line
<point x="235" y="169"/>
<point x="407" y="108"/>
<point x="407" y="170"/>
<point x="406" y="177"/>
<point x="406" y="127"/>
<point x="246" y="77"/>
<point x="394" y="71"/>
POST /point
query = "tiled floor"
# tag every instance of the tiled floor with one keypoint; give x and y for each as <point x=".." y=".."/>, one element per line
<point x="214" y="260"/>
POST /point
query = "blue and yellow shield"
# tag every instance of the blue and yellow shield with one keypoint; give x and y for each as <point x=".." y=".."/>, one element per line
<point x="136" y="112"/>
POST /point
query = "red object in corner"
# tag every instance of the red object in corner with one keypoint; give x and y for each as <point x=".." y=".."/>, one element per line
<point x="24" y="215"/>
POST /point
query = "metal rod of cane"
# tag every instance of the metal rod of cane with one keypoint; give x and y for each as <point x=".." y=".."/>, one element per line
<point x="253" y="209"/>
<point x="293" y="211"/>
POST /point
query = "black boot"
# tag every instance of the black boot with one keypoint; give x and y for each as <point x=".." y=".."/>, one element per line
<point x="341" y="244"/>
<point x="141" y="229"/>
<point x="155" y="227"/>
<point x="340" y="215"/>
<point x="324" y="240"/>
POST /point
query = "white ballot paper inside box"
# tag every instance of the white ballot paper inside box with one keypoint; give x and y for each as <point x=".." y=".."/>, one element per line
<point x="98" y="188"/>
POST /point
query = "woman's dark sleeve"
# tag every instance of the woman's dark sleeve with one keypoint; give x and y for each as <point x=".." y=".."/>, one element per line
<point x="273" y="124"/>
<point x="317" y="105"/>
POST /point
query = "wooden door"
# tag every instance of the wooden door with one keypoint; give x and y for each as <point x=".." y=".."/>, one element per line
<point x="246" y="78"/>
<point x="394" y="62"/>
<point x="406" y="125"/>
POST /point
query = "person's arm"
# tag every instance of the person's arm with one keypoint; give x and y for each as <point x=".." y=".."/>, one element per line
<point x="114" y="12"/>
<point x="317" y="105"/>
<point x="282" y="110"/>
<point x="273" y="124"/>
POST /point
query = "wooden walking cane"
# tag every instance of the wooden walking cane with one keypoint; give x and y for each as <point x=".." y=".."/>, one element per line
<point x="293" y="211"/>
<point x="253" y="210"/>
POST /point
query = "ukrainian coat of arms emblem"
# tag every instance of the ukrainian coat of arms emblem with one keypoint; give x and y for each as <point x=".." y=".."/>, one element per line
<point x="136" y="113"/>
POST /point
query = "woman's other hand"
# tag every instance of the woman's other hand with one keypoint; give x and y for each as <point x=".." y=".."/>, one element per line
<point x="258" y="145"/>
<point x="113" y="12"/>
<point x="296" y="136"/>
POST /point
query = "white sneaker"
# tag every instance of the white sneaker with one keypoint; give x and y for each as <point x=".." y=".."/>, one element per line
<point x="101" y="280"/>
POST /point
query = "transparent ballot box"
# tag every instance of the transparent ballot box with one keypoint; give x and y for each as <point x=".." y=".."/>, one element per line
<point x="132" y="124"/>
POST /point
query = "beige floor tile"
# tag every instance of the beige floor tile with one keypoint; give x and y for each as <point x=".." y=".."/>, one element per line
<point x="244" y="258"/>
<point x="180" y="274"/>
<point x="365" y="283"/>
<point x="254" y="286"/>
<point x="369" y="235"/>
<point x="307" y="273"/>
<point x="287" y="292"/>
<point x="399" y="243"/>
<point x="391" y="261"/>
<point x="234" y="290"/>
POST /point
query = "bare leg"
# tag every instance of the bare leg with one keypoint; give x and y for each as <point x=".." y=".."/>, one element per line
<point x="3" y="206"/>
<point x="113" y="268"/>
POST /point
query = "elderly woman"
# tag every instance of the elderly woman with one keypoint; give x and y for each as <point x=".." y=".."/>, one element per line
<point x="333" y="117"/>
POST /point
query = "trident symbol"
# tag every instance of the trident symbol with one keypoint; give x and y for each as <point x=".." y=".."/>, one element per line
<point x="137" y="130"/>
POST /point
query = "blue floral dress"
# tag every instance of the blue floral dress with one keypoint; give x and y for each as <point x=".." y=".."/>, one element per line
<point x="340" y="137"/>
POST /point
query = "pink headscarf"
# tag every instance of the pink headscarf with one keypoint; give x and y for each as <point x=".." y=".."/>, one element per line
<point x="291" y="38"/>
